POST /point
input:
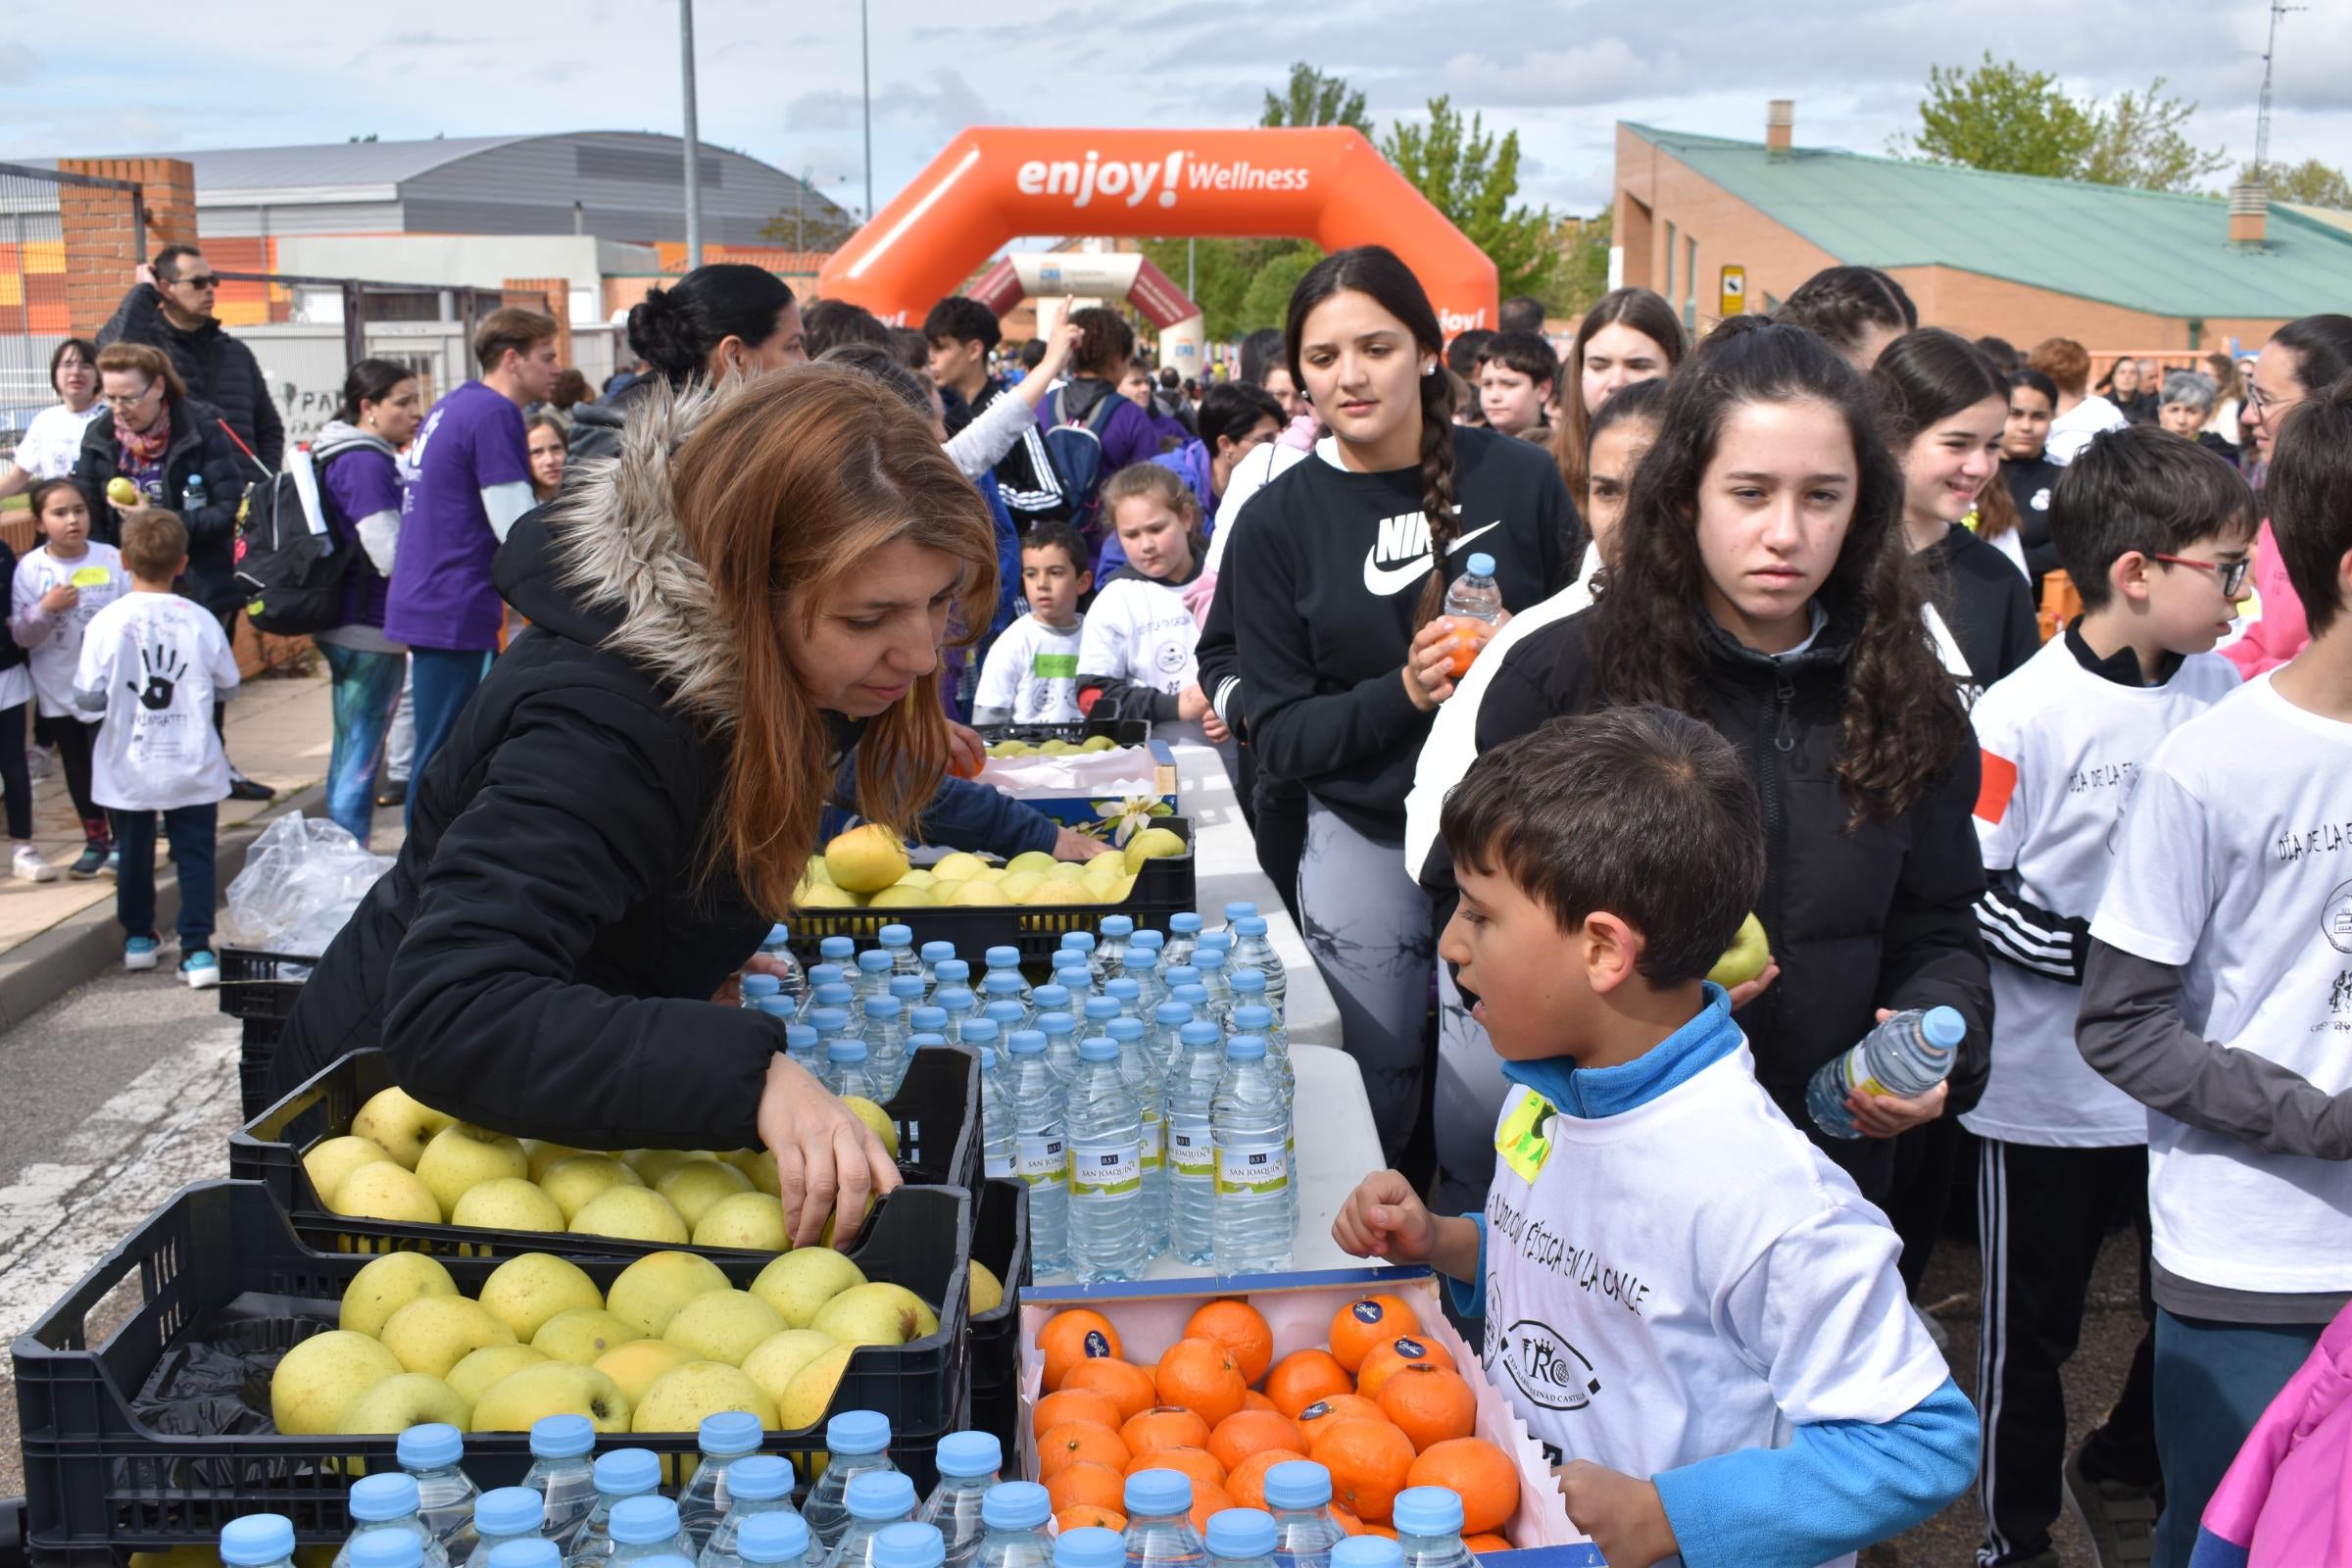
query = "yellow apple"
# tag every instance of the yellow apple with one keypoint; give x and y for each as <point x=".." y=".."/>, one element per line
<point x="1153" y="843"/>
<point x="680" y="1398"/>
<point x="648" y="1294"/>
<point x="1109" y="860"/>
<point x="1031" y="861"/>
<point x="577" y="1178"/>
<point x="463" y="1155"/>
<point x="489" y="1366"/>
<point x="988" y="1292"/>
<point x="652" y="1164"/>
<point x="799" y="1284"/>
<point x="387" y="1191"/>
<point x="434" y="1333"/>
<point x="406" y="1400"/>
<point x="399" y="1125"/>
<point x="1059" y="889"/>
<point x="867" y="858"/>
<point x="899" y="896"/>
<point x="1747" y="957"/>
<point x="543" y="1154"/>
<point x="329" y="1161"/>
<point x="752" y="1222"/>
<point x="976" y="892"/>
<point x="878" y="1313"/>
<point x="633" y="1215"/>
<point x="877" y="1118"/>
<point x="581" y="1334"/>
<point x="507" y="1203"/>
<point x="317" y="1381"/>
<point x="635" y="1365"/>
<point x="823" y="896"/>
<point x="781" y="1357"/>
<point x="959" y="867"/>
<point x="524" y="1291"/>
<point x="553" y="1388"/>
<point x="918" y="878"/>
<point x="692" y="1188"/>
<point x="816" y="873"/>
<point x="761" y="1166"/>
<point x="723" y="1326"/>
<point x="389" y="1284"/>
<point x="809" y="1394"/>
<point x="1018" y="885"/>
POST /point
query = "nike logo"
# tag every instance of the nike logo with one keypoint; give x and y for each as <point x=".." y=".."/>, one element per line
<point x="1385" y="580"/>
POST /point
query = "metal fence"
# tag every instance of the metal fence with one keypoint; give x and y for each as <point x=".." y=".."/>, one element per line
<point x="35" y="315"/>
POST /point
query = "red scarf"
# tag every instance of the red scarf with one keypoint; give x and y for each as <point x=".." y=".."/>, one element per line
<point x="144" y="449"/>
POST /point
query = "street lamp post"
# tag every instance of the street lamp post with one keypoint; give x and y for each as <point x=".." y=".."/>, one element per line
<point x="866" y="75"/>
<point x="694" y="172"/>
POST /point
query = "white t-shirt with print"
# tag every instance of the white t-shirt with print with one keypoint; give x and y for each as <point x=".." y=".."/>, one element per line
<point x="2061" y="748"/>
<point x="52" y="441"/>
<point x="1032" y="673"/>
<point x="1690" y="1278"/>
<point x="101" y="579"/>
<point x="2235" y="866"/>
<point x="2071" y="430"/>
<point x="159" y="661"/>
<point x="1141" y="631"/>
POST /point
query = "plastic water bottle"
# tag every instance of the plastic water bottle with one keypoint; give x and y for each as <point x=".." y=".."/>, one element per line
<point x="1190" y="1098"/>
<point x="503" y="1514"/>
<point x="982" y="1033"/>
<point x="933" y="955"/>
<point x="1184" y="934"/>
<point x="778" y="1540"/>
<point x="621" y="1474"/>
<point x="1195" y="995"/>
<point x="912" y="990"/>
<point x="859" y="1444"/>
<point x="921" y="1042"/>
<point x="562" y="1474"/>
<point x="647" y="1526"/>
<point x="387" y="1503"/>
<point x="1098" y="1010"/>
<point x="836" y="949"/>
<point x="193" y="497"/>
<point x="875" y="1499"/>
<point x="960" y="1006"/>
<point x="1007" y="1013"/>
<point x="1252" y="948"/>
<point x="1429" y="1528"/>
<point x="1159" y="1526"/>
<point x="1141" y="1070"/>
<point x="722" y="1438"/>
<point x="1001" y="987"/>
<point x="1082" y="943"/>
<point x="1472" y="596"/>
<point x="997" y="1142"/>
<point x="1016" y="1514"/>
<point x="875" y="966"/>
<point x="1147" y="938"/>
<point x="1166" y="1037"/>
<point x="952" y="971"/>
<point x="885" y="1034"/>
<point x="1237" y="909"/>
<point x="843" y="998"/>
<point x="847" y="1071"/>
<point x="1089" y="1546"/>
<point x="258" y="1541"/>
<point x="1304" y="1530"/>
<point x="1041" y="1155"/>
<point x="804" y="1044"/>
<point x="385" y="1548"/>
<point x="1108" y="1240"/>
<point x="1367" y="1551"/>
<point x="1214" y="978"/>
<point x="759" y="1485"/>
<point x="819" y="974"/>
<point x="445" y="1494"/>
<point x="969" y="1465"/>
<point x="1060" y="1030"/>
<point x="1240" y="1538"/>
<point x="1256" y="1018"/>
<point x="757" y="988"/>
<point x="1908" y="1055"/>
<point x="926" y="1020"/>
<point x="1052" y="996"/>
<point x="1251" y="1129"/>
<point x="908" y="1544"/>
<point x="1110" y="944"/>
<point x="1128" y="993"/>
<point x="1006" y="961"/>
<point x="1220" y="939"/>
<point x="1073" y="973"/>
<point x="898" y="941"/>
<point x="1142" y="965"/>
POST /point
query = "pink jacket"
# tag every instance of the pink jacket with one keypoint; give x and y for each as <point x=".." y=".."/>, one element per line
<point x="2281" y="632"/>
<point x="2286" y="1502"/>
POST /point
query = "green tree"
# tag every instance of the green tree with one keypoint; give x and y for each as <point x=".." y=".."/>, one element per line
<point x="1315" y="99"/>
<point x="2143" y="142"/>
<point x="1472" y="177"/>
<point x="2310" y="184"/>
<point x="1583" y="278"/>
<point x="2001" y="116"/>
<point x="1267" y="301"/>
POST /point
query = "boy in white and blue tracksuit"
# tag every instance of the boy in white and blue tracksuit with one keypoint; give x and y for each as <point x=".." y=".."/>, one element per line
<point x="1694" y="1311"/>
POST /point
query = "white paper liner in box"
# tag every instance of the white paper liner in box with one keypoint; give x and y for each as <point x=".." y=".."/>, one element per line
<point x="1298" y="1308"/>
<point x="1107" y="775"/>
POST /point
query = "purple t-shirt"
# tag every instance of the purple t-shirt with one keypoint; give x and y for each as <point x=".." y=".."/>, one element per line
<point x="359" y="484"/>
<point x="442" y="596"/>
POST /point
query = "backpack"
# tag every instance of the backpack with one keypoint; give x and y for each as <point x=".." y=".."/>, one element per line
<point x="1076" y="448"/>
<point x="288" y="566"/>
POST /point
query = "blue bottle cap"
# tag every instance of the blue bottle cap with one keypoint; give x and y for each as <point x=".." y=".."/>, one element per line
<point x="1245" y="1048"/>
<point x="1237" y="908"/>
<point x="561" y="1437"/>
<point x="1196" y="994"/>
<point x="1005" y="1013"/>
<point x="883" y="1007"/>
<point x="873" y="960"/>
<point x="823" y="974"/>
<point x="971" y="1453"/>
<point x="1001" y="984"/>
<point x="1141" y="959"/>
<point x="800" y="1038"/>
<point x="774" y="1537"/>
<point x="895" y="935"/>
<point x="1428" y="1511"/>
<point x="532" y="1551"/>
<point x="1089" y="1546"/>
<point x="1241" y="1532"/>
<point x="509" y="1511"/>
<point x="383" y="1496"/>
<point x="934" y="952"/>
<point x="1366" y="1551"/>
<point x="907" y="988"/>
<point x="1057" y="1023"/>
<point x="1124" y="988"/>
<point x="755" y="985"/>
<point x="924" y="1041"/>
<point x="1297" y="1483"/>
<point x="1184" y="923"/>
<point x="839" y="993"/>
<point x="778" y="1007"/>
<point x="257" y="1538"/>
<point x="625" y="1472"/>
<point x="1217" y="941"/>
<point x="1098" y="1007"/>
<point x="1481" y="563"/>
<point x="646" y="1520"/>
<point x="836" y="949"/>
<point x="828" y="1020"/>
<point x="1149" y="938"/>
<point x="953" y="999"/>
<point x="778" y="935"/>
<point x="429" y="1446"/>
<point x="1173" y="1014"/>
<point x="845" y="1049"/>
<point x="1199" y="1032"/>
<point x="1004" y="957"/>
<point x="1123" y="1029"/>
<point x="1097" y="1049"/>
<point x="1078" y="940"/>
<point x="1251" y="925"/>
<point x="1016" y="1505"/>
<point x="907" y="1545"/>
<point x="1179" y="974"/>
<point x="1158" y="1491"/>
<point x="1052" y="997"/>
<point x="1209" y="961"/>
<point x="876" y="1495"/>
<point x="987" y="1053"/>
<point x="857" y="1432"/>
<point x="979" y="1031"/>
<point x="728" y="1433"/>
<point x="1117" y="925"/>
<point x="1036" y="1041"/>
<point x="1944" y="1027"/>
<point x="1242" y="980"/>
<point x="953" y="971"/>
<point x="1253" y="1019"/>
<point x="761" y="1477"/>
<point x="928" y="1020"/>
<point x="387" y="1549"/>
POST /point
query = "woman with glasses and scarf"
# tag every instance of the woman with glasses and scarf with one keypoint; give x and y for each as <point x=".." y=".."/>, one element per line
<point x="2303" y="359"/>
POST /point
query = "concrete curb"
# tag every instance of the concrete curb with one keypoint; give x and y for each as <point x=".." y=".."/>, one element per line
<point x="87" y="944"/>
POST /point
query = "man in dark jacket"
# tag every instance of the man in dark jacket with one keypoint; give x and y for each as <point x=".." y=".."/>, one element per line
<point x="170" y="309"/>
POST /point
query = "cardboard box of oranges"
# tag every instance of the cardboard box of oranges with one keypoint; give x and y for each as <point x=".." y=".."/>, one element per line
<point x="1357" y="1370"/>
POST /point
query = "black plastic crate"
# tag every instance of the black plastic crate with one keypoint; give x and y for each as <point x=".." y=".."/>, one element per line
<point x="257" y="1058"/>
<point x="1121" y="731"/>
<point x="261" y="985"/>
<point x="1001" y="1240"/>
<point x="100" y="1481"/>
<point x="937" y="1109"/>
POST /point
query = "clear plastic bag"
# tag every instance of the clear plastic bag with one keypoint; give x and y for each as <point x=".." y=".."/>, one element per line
<point x="302" y="879"/>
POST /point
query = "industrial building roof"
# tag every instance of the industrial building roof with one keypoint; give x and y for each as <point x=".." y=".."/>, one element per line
<point x="342" y="162"/>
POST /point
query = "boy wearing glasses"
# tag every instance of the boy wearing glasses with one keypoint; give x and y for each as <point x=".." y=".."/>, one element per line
<point x="2156" y="533"/>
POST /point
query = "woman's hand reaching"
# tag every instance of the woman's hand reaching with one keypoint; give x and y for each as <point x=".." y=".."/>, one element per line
<point x="828" y="1162"/>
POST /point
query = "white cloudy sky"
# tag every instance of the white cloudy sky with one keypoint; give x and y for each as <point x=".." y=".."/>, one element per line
<point x="781" y="81"/>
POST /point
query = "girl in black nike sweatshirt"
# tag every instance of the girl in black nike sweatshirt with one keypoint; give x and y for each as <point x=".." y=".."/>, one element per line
<point x="1337" y="570"/>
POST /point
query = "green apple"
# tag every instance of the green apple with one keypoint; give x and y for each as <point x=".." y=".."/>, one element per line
<point x="916" y="878"/>
<point x="461" y="1157"/>
<point x="823" y="896"/>
<point x="809" y="1394"/>
<point x="327" y="1161"/>
<point x="959" y="867"/>
<point x="524" y="1291"/>
<point x="406" y="1400"/>
<point x="633" y="1215"/>
<point x="761" y="1166"/>
<point x="399" y="1125"/>
<point x="877" y="1118"/>
<point x="692" y="1188"/>
<point x="581" y="1334"/>
<point x="635" y="1365"/>
<point x="552" y="1388"/>
<point x="387" y="1191"/>
<point x="779" y="1357"/>
<point x="1747" y="957"/>
<point x="1108" y="862"/>
<point x="507" y="1204"/>
<point x="799" y="1284"/>
<point x="1062" y="888"/>
<point x="543" y="1154"/>
<point x="723" y="1326"/>
<point x="577" y="1178"/>
<point x="652" y="1164"/>
<point x="434" y="1333"/>
<point x="317" y="1381"/>
<point x="389" y="1284"/>
<point x="649" y="1292"/>
<point x="489" y="1366"/>
<point x="876" y="1314"/>
<point x="680" y="1398"/>
<point x="1018" y="885"/>
<point x="1097" y="743"/>
<point x="1030" y="861"/>
<point x="1153" y="843"/>
<point x="988" y="1292"/>
<point x="975" y="891"/>
<point x="899" y="896"/>
<point x="752" y="1221"/>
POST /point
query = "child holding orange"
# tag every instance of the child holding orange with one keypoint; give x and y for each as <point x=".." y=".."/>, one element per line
<point x="1688" y="1303"/>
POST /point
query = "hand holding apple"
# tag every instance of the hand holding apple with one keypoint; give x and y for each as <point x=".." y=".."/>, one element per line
<point x="827" y="1160"/>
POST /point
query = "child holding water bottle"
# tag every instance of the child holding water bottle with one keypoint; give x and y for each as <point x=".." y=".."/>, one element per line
<point x="1690" y="1305"/>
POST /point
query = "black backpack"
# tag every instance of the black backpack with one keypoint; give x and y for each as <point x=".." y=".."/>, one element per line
<point x="1075" y="447"/>
<point x="288" y="564"/>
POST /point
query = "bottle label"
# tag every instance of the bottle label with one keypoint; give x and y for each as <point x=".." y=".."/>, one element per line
<point x="1190" y="1154"/>
<point x="1040" y="1160"/>
<point x="1254" y="1170"/>
<point x="1155" y="1145"/>
<point x="1003" y="1165"/>
<point x="1094" y="1172"/>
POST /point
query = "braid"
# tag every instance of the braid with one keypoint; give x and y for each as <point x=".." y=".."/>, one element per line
<point x="1437" y="489"/>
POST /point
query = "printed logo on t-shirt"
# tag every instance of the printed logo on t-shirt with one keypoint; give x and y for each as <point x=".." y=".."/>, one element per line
<point x="2336" y="921"/>
<point x="2042" y="499"/>
<point x="1550" y="1371"/>
<point x="1400" y="552"/>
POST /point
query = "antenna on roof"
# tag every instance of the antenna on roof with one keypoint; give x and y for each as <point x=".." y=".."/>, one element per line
<point x="2262" y="114"/>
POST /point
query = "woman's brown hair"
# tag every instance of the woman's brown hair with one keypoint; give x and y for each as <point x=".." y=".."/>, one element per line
<point x="783" y="494"/>
<point x="152" y="363"/>
<point x="1638" y="309"/>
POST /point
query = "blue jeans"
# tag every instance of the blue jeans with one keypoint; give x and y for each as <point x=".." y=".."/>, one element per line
<point x="366" y="686"/>
<point x="440" y="682"/>
<point x="191" y="830"/>
<point x="2213" y="1382"/>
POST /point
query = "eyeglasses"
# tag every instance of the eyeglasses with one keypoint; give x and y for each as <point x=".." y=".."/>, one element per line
<point x="205" y="282"/>
<point x="128" y="400"/>
<point x="2233" y="573"/>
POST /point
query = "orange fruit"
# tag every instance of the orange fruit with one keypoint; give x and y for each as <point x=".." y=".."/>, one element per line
<point x="1252" y="1399"/>
<point x="1071" y="1337"/>
<point x="1404" y="1350"/>
<point x="1431" y="1404"/>
<point x="1389" y="1530"/>
<point x="1247" y="1432"/>
<point x="1164" y="1427"/>
<point x="1348" y="1521"/>
<point x="1303" y="1377"/>
<point x="1079" y="1443"/>
<point x="1478" y="1472"/>
<point x="1127" y="1387"/>
<point x="1329" y="1412"/>
<point x="1209" y="1500"/>
<point x="1248" y="1481"/>
<point x="1481" y="1544"/>
<point x="1088" y="1516"/>
<point x="1074" y="1404"/>
<point x="1361" y="1325"/>
<point x="1198" y="1463"/>
<point x="1368" y="1462"/>
<point x="1087" y="1485"/>
<point x="1202" y="1377"/>
<point x="1240" y="1328"/>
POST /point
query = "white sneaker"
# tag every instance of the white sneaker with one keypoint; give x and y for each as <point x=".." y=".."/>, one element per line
<point x="28" y="867"/>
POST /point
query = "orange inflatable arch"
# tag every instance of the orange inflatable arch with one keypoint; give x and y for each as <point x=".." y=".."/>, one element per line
<point x="993" y="184"/>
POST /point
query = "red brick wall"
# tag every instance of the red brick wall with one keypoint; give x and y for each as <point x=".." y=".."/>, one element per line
<point x="103" y="249"/>
<point x="551" y="295"/>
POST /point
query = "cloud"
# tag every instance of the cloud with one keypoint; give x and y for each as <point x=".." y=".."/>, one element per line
<point x="1596" y="72"/>
<point x="18" y="64"/>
